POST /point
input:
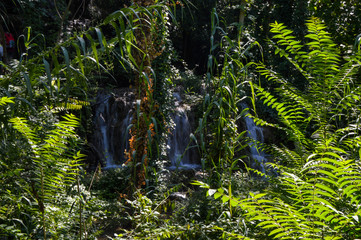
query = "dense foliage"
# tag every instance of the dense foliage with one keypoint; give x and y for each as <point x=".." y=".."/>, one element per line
<point x="297" y="75"/>
<point x="317" y="194"/>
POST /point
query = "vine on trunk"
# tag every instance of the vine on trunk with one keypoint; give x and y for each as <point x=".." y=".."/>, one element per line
<point x="148" y="47"/>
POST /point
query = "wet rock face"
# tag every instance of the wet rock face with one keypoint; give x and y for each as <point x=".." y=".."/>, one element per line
<point x="180" y="151"/>
<point x="178" y="196"/>
<point x="112" y="113"/>
<point x="112" y="116"/>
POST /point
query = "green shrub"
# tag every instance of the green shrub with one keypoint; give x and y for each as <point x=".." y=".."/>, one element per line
<point x="317" y="193"/>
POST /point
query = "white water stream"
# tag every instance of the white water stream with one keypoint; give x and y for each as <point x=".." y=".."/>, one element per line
<point x="102" y="117"/>
<point x="113" y="115"/>
<point x="179" y="139"/>
<point x="112" y="118"/>
<point x="255" y="133"/>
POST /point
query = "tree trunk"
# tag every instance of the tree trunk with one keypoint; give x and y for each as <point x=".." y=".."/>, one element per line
<point x="140" y="140"/>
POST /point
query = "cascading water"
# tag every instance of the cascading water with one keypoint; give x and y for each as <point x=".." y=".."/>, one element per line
<point x="179" y="140"/>
<point x="255" y="133"/>
<point x="112" y="116"/>
<point x="102" y="118"/>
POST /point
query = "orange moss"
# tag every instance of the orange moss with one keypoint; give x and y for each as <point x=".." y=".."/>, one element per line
<point x="150" y="44"/>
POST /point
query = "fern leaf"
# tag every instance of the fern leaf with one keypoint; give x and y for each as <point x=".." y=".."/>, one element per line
<point x="6" y="100"/>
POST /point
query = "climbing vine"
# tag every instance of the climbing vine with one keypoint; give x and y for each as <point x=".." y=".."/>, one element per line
<point x="148" y="46"/>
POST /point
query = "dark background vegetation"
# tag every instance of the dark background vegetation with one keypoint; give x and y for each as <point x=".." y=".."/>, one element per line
<point x="160" y="208"/>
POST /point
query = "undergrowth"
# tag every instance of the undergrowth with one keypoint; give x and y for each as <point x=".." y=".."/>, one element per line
<point x="313" y="193"/>
<point x="317" y="193"/>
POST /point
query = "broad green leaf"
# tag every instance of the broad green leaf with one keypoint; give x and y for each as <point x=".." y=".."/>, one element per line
<point x="225" y="198"/>
<point x="217" y="195"/>
<point x="233" y="202"/>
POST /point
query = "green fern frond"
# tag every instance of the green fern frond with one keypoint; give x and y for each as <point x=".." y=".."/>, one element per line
<point x="289" y="157"/>
<point x="6" y="100"/>
<point x="72" y="104"/>
<point x="314" y="205"/>
<point x="288" y="115"/>
<point x="285" y="90"/>
<point x="280" y="220"/>
<point x="284" y="38"/>
<point x="21" y="125"/>
<point x="55" y="162"/>
<point x="318" y="193"/>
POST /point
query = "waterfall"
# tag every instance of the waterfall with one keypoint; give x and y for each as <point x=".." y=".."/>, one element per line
<point x="102" y="116"/>
<point x="179" y="139"/>
<point x="255" y="133"/>
<point x="112" y="116"/>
